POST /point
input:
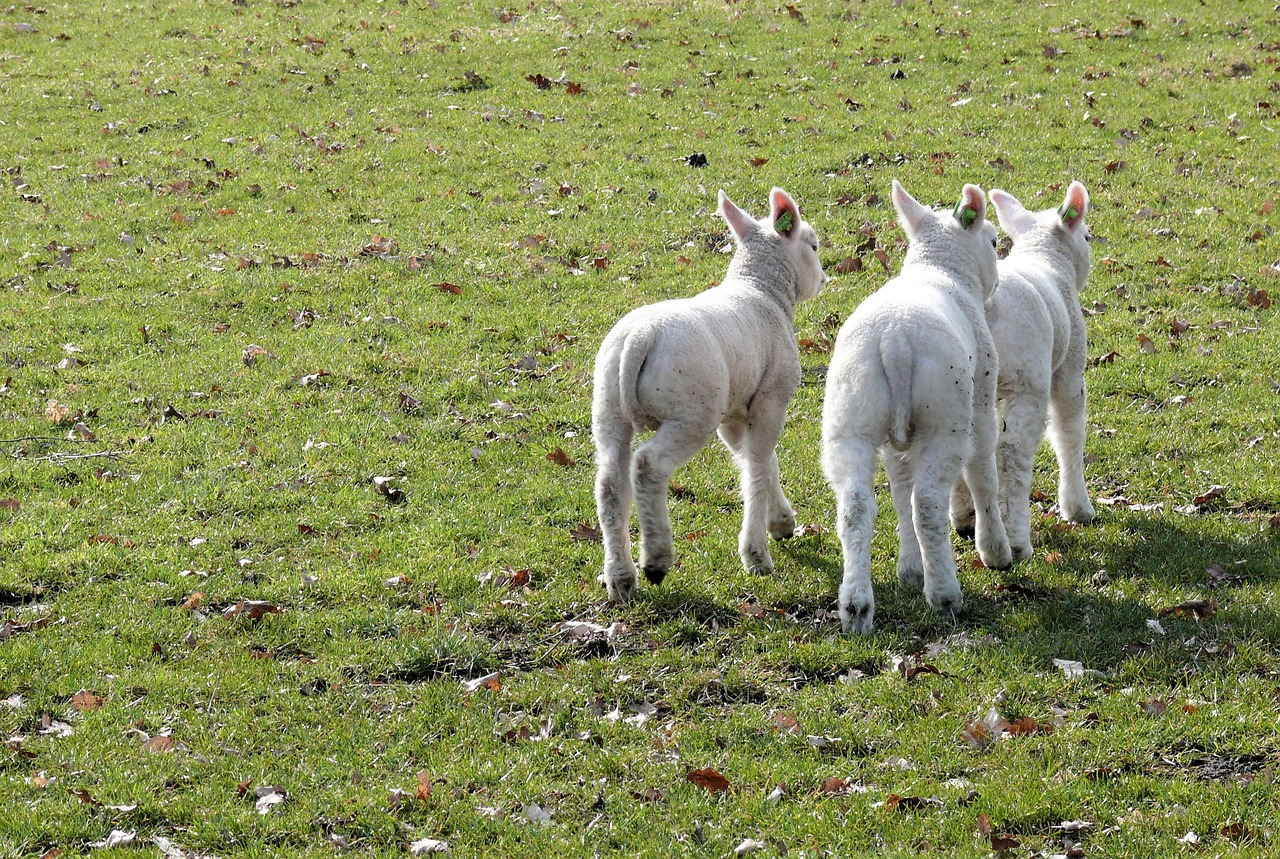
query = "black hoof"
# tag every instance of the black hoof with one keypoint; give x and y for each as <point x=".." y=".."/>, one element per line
<point x="655" y="575"/>
<point x="968" y="532"/>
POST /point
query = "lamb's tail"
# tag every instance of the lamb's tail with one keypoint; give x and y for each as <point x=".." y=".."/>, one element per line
<point x="896" y="358"/>
<point x="635" y="351"/>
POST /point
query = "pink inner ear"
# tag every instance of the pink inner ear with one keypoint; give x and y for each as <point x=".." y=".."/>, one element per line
<point x="780" y="201"/>
<point x="1078" y="199"/>
<point x="976" y="200"/>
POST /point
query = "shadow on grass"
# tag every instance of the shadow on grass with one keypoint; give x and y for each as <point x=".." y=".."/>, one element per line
<point x="1088" y="594"/>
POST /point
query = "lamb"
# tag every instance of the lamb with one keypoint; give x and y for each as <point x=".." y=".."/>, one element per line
<point x="723" y="361"/>
<point x="1039" y="332"/>
<point x="913" y="376"/>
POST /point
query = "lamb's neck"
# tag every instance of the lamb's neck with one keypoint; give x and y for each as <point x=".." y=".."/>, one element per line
<point x="953" y="265"/>
<point x="765" y="274"/>
<point x="1049" y="259"/>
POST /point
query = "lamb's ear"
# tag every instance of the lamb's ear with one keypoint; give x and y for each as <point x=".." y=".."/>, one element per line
<point x="911" y="214"/>
<point x="1013" y="217"/>
<point x="739" y="221"/>
<point x="783" y="212"/>
<point x="971" y="208"/>
<point x="1074" y="206"/>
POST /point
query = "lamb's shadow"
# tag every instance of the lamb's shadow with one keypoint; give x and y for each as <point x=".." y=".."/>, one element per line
<point x="1092" y="602"/>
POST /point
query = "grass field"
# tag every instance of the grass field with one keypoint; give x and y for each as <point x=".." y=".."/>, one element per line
<point x="300" y="300"/>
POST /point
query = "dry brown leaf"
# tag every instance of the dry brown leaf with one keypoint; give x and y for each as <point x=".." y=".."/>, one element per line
<point x="560" y="458"/>
<point x="58" y="414"/>
<point x="253" y="609"/>
<point x="708" y="779"/>
<point x="785" y="723"/>
<point x="1194" y="609"/>
<point x="491" y="681"/>
<point x="158" y="744"/>
<point x="423" y="792"/>
<point x="83" y="795"/>
<point x="85" y="700"/>
<point x="585" y="532"/>
<point x="1154" y="707"/>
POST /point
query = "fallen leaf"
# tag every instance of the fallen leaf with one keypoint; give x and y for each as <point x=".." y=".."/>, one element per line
<point x="158" y="743"/>
<point x="117" y="838"/>
<point x="254" y="353"/>
<point x="253" y="609"/>
<point x="535" y="813"/>
<point x="387" y="489"/>
<point x="785" y="723"/>
<point x="428" y="845"/>
<point x="749" y="845"/>
<point x="560" y="458"/>
<point x="57" y="414"/>
<point x="649" y="794"/>
<point x="423" y="792"/>
<point x="894" y="802"/>
<point x="268" y="798"/>
<point x="85" y="700"/>
<point x="1236" y="831"/>
<point x="83" y="795"/>
<point x="585" y="532"/>
<point x="1194" y="609"/>
<point x="1154" y="707"/>
<point x="491" y="681"/>
<point x="709" y="779"/>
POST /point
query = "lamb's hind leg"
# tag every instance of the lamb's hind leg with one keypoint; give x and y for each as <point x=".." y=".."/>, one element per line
<point x="764" y="507"/>
<point x="851" y="468"/>
<point x="936" y="469"/>
<point x="1066" y="433"/>
<point x="901" y="486"/>
<point x="655" y="461"/>
<point x="962" y="509"/>
<point x="781" y="518"/>
<point x="1020" y="436"/>
<point x="613" y="507"/>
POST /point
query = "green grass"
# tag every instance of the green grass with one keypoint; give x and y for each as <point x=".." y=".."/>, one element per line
<point x="185" y="180"/>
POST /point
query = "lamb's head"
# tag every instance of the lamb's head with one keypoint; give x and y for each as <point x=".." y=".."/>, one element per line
<point x="1063" y="227"/>
<point x="782" y="240"/>
<point x="961" y="237"/>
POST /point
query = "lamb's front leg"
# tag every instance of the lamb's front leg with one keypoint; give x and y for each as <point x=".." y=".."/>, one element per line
<point x="782" y="518"/>
<point x="1023" y="427"/>
<point x="1067" y="432"/>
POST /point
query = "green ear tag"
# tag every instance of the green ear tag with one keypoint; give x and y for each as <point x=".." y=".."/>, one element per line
<point x="1068" y="213"/>
<point x="784" y="223"/>
<point x="965" y="215"/>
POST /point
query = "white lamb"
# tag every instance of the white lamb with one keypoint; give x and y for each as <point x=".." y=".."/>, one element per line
<point x="724" y="360"/>
<point x="913" y="376"/>
<point x="1039" y="332"/>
